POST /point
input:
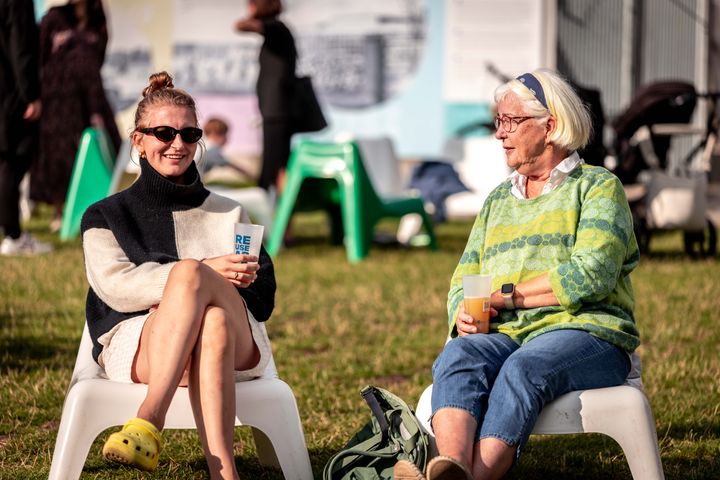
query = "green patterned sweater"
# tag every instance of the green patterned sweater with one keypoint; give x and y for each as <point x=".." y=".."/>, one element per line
<point x="581" y="233"/>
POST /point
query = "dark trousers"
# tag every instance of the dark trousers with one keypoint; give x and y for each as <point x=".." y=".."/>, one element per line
<point x="276" y="151"/>
<point x="12" y="170"/>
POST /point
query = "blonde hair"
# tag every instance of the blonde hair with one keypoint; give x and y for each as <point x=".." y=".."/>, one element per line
<point x="574" y="124"/>
<point x="161" y="92"/>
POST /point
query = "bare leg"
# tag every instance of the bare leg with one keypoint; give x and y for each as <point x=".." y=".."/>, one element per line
<point x="212" y="383"/>
<point x="493" y="458"/>
<point x="193" y="319"/>
<point x="168" y="338"/>
<point x="454" y="429"/>
<point x="455" y="434"/>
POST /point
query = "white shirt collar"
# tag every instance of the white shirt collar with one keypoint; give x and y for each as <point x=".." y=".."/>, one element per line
<point x="557" y="175"/>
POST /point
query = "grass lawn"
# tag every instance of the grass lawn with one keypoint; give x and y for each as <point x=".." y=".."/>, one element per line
<point x="338" y="327"/>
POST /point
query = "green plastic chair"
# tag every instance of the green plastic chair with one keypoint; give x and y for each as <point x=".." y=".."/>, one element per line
<point x="331" y="177"/>
<point x="90" y="179"/>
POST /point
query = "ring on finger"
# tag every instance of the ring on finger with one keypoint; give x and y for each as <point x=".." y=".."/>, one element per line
<point x="237" y="274"/>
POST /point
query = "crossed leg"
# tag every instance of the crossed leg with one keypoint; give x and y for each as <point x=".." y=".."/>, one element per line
<point x="201" y="326"/>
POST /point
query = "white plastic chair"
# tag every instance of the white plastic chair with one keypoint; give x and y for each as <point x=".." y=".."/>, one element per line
<point x="622" y="412"/>
<point x="384" y="169"/>
<point x="93" y="403"/>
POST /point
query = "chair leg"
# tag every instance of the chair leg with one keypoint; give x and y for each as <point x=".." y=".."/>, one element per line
<point x="71" y="450"/>
<point x="290" y="452"/>
<point x="630" y="422"/>
<point x="281" y="442"/>
<point x="277" y="430"/>
<point x="76" y="434"/>
<point x="283" y="212"/>
<point x="265" y="451"/>
<point x="356" y="242"/>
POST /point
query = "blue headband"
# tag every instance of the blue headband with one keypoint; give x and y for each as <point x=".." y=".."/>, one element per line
<point x="532" y="84"/>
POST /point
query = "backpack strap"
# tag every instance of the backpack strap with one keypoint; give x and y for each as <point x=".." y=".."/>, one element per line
<point x="368" y="393"/>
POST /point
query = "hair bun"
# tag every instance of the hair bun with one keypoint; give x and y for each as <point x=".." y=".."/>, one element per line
<point x="158" y="81"/>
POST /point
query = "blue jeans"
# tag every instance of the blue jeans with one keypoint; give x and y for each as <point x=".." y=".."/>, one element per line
<point x="504" y="386"/>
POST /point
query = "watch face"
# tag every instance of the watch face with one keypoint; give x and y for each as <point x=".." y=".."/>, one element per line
<point x="507" y="288"/>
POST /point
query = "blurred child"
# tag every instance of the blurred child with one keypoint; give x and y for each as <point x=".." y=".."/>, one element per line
<point x="215" y="137"/>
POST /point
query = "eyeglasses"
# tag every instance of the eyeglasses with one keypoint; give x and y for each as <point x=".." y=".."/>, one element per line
<point x="167" y="134"/>
<point x="509" y="123"/>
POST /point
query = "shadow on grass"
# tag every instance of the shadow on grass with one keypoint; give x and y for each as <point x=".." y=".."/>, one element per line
<point x="247" y="466"/>
<point x="703" y="467"/>
<point x="31" y="353"/>
<point x="570" y="457"/>
<point x="690" y="431"/>
<point x="596" y="456"/>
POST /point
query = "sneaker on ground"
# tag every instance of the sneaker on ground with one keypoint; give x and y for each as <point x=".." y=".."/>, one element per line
<point x="23" y="245"/>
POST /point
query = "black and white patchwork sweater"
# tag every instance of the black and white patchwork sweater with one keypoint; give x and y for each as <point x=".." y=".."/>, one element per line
<point x="132" y="239"/>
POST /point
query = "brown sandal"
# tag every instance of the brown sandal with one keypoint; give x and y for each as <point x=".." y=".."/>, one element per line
<point x="447" y="468"/>
<point x="406" y="470"/>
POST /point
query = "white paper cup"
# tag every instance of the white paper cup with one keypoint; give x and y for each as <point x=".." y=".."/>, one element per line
<point x="247" y="239"/>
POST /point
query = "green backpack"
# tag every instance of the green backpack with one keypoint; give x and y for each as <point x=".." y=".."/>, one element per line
<point x="393" y="433"/>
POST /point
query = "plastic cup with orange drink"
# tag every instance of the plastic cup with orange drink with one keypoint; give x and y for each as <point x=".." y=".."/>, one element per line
<point x="477" y="290"/>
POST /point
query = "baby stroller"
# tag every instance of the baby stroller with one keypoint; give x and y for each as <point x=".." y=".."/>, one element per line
<point x="664" y="196"/>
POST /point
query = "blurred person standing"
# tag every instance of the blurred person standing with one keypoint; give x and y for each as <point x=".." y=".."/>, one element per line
<point x="19" y="112"/>
<point x="73" y="38"/>
<point x="275" y="87"/>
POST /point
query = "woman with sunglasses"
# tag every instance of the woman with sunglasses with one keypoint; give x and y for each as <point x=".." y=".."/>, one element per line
<point x="557" y="238"/>
<point x="167" y="305"/>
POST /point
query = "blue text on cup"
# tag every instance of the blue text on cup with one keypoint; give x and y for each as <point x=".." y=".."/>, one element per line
<point x="242" y="244"/>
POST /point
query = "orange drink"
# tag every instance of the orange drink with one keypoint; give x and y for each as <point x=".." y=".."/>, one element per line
<point x="476" y="292"/>
<point x="479" y="309"/>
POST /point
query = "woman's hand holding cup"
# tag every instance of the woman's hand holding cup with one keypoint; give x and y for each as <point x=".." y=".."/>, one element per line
<point x="245" y="270"/>
<point x="239" y="269"/>
<point x="466" y="324"/>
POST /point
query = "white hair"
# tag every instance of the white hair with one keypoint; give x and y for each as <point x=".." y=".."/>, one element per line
<point x="574" y="125"/>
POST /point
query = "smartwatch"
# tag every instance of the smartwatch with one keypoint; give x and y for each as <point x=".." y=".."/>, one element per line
<point x="507" y="291"/>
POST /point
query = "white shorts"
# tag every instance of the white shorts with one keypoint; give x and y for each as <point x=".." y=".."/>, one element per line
<point x="120" y="345"/>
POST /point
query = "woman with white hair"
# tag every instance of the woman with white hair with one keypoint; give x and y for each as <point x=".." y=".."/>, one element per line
<point x="557" y="238"/>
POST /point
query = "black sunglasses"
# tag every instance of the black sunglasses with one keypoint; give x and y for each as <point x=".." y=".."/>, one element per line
<point x="167" y="134"/>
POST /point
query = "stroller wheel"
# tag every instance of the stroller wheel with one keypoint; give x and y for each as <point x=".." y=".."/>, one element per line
<point x="701" y="244"/>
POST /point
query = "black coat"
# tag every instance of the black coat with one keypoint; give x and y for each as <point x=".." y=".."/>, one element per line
<point x="19" y="77"/>
<point x="278" y="58"/>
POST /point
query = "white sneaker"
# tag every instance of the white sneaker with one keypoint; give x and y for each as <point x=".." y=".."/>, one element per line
<point x="23" y="245"/>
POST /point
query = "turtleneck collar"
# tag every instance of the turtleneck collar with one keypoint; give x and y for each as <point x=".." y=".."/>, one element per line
<point x="160" y="191"/>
